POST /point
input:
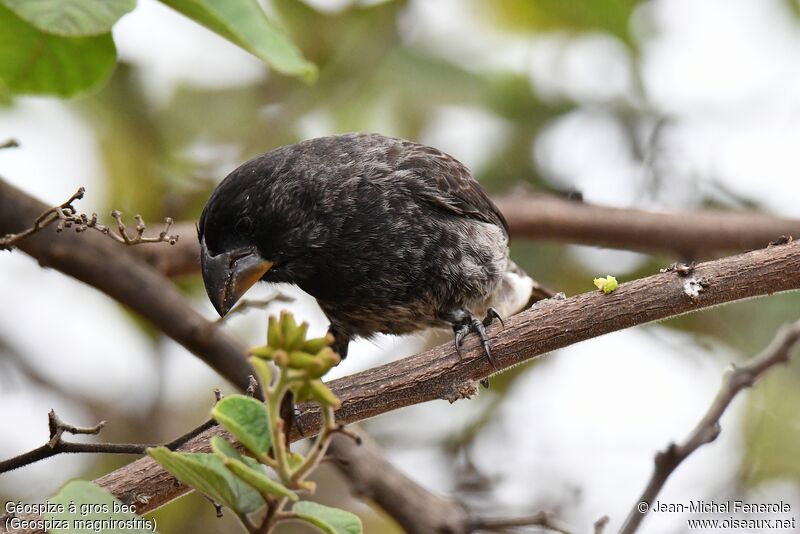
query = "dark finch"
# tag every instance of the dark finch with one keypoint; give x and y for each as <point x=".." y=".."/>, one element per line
<point x="388" y="235"/>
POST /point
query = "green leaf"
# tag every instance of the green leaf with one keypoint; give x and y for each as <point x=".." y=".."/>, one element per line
<point x="245" y="23"/>
<point x="34" y="62"/>
<point x="248" y="469"/>
<point x="245" y="418"/>
<point x="327" y="519"/>
<point x="71" y="18"/>
<point x="206" y="473"/>
<point x="91" y="505"/>
<point x="225" y="449"/>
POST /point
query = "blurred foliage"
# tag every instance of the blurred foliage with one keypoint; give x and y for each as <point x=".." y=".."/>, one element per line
<point x="611" y="16"/>
<point x="773" y="431"/>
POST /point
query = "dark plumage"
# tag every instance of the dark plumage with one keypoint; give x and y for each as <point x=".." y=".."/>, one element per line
<point x="388" y="235"/>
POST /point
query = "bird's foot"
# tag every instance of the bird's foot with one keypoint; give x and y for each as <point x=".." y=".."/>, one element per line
<point x="470" y="324"/>
<point x="298" y="422"/>
<point x="290" y="413"/>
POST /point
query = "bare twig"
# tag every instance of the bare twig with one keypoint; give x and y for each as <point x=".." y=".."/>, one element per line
<point x="56" y="445"/>
<point x="68" y="217"/>
<point x="9" y="143"/>
<point x="58" y="427"/>
<point x="47" y="217"/>
<point x="601" y="524"/>
<point x="545" y="520"/>
<point x="707" y="430"/>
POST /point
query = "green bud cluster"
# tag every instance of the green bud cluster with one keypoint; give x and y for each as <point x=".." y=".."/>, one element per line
<point x="304" y="361"/>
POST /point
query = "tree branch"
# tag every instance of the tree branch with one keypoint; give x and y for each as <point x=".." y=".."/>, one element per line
<point x="687" y="235"/>
<point x="708" y="428"/>
<point x="439" y="373"/>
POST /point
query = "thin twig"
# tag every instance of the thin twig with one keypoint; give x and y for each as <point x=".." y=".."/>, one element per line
<point x="546" y="520"/>
<point x="68" y="217"/>
<point x="9" y="143"/>
<point x="707" y="430"/>
<point x="56" y="445"/>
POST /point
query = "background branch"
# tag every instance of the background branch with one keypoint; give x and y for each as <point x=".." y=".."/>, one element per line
<point x="689" y="235"/>
<point x="544" y="217"/>
<point x="708" y="428"/>
<point x="371" y="476"/>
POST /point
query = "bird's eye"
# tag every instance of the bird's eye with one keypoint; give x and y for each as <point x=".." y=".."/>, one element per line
<point x="244" y="226"/>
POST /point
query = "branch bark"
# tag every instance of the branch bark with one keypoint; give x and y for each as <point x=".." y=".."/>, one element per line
<point x="439" y="373"/>
<point x="687" y="235"/>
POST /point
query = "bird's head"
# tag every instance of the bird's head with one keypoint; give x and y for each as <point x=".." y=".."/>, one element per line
<point x="240" y="238"/>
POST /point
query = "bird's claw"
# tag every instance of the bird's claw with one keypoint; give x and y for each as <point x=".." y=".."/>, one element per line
<point x="491" y="315"/>
<point x="479" y="327"/>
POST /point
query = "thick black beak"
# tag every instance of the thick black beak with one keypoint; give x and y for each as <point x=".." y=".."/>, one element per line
<point x="229" y="275"/>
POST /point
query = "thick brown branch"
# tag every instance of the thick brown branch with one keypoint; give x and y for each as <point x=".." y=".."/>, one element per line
<point x="687" y="235"/>
<point x="439" y="373"/>
<point x="99" y="262"/>
<point x="708" y="427"/>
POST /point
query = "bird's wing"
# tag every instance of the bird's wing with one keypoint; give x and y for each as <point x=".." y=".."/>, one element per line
<point x="446" y="183"/>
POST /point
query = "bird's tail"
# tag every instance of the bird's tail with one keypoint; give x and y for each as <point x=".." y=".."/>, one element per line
<point x="514" y="293"/>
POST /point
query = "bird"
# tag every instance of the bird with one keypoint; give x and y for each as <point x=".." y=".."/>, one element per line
<point x="388" y="235"/>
